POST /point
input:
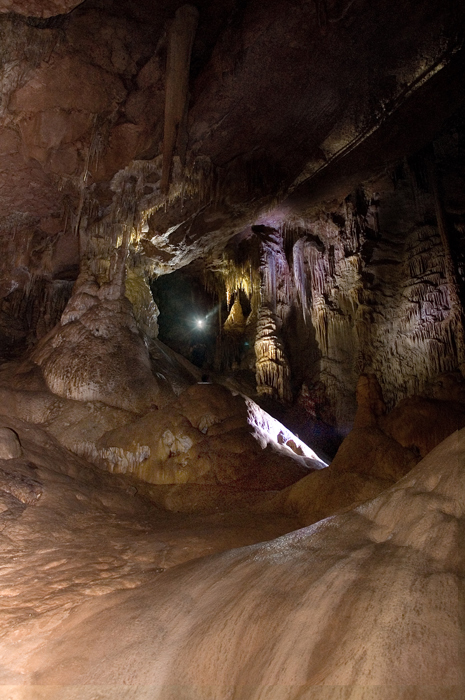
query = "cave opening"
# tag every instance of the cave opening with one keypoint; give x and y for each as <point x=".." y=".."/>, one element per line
<point x="189" y="319"/>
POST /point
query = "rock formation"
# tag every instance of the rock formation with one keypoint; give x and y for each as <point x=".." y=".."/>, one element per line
<point x="229" y="230"/>
<point x="362" y="605"/>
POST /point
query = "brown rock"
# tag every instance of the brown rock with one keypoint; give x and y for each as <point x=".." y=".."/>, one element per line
<point x="448" y="386"/>
<point x="206" y="405"/>
<point x="10" y="447"/>
<point x="9" y="141"/>
<point x="53" y="127"/>
<point x="23" y="488"/>
<point x="38" y="8"/>
<point x="203" y="438"/>
<point x="370" y="402"/>
<point x="367" y="462"/>
<point x="125" y="142"/>
<point x="420" y="424"/>
<point x="363" y="606"/>
<point x="97" y="354"/>
<point x="68" y="83"/>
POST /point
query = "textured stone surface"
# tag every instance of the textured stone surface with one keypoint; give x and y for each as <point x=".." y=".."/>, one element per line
<point x="367" y="463"/>
<point x="380" y="449"/>
<point x="97" y="354"/>
<point x="70" y="533"/>
<point x="88" y="98"/>
<point x="38" y="8"/>
<point x="10" y="447"/>
<point x="202" y="438"/>
<point x="301" y="142"/>
<point x="358" y="288"/>
<point x="367" y="602"/>
<point x="420" y="423"/>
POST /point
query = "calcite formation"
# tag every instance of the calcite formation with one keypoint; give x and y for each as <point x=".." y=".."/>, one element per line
<point x="363" y="605"/>
<point x="362" y="288"/>
<point x="97" y="354"/>
<point x="277" y="190"/>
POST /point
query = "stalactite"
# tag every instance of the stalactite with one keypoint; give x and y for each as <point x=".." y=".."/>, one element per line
<point x="180" y="43"/>
<point x="451" y="273"/>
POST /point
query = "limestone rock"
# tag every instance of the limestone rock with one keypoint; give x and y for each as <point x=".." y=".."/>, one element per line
<point x="360" y="606"/>
<point x="10" y="447"/>
<point x="420" y="423"/>
<point x="370" y="402"/>
<point x="202" y="438"/>
<point x="97" y="354"/>
<point x="448" y="386"/>
<point x="23" y="488"/>
<point x="38" y="8"/>
<point x="206" y="405"/>
<point x="235" y="323"/>
<point x="145" y="310"/>
<point x="367" y="462"/>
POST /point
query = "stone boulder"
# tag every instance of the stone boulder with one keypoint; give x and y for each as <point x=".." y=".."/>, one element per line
<point x="204" y="438"/>
<point x="379" y="451"/>
<point x="367" y="463"/>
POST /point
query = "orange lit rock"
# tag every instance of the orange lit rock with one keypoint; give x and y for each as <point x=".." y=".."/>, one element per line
<point x="370" y="402"/>
<point x="202" y="438"/>
<point x="320" y="611"/>
<point x="367" y="462"/>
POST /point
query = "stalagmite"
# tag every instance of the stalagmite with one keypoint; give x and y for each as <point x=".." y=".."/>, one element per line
<point x="235" y="323"/>
<point x="96" y="353"/>
<point x="271" y="368"/>
<point x="181" y="39"/>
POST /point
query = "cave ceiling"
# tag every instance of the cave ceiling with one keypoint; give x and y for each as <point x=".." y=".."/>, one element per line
<point x="289" y="104"/>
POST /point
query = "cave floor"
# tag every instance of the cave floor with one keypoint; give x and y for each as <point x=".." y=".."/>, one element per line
<point x="89" y="534"/>
<point x="106" y="597"/>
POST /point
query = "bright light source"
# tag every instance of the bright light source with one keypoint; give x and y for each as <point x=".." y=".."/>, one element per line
<point x="200" y="323"/>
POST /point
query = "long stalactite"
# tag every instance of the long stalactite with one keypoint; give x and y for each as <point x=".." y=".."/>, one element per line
<point x="181" y="39"/>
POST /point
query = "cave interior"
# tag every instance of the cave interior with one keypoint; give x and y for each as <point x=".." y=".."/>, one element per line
<point x="232" y="350"/>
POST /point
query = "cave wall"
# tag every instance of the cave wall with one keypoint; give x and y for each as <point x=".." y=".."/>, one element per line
<point x="334" y="286"/>
<point x="356" y="286"/>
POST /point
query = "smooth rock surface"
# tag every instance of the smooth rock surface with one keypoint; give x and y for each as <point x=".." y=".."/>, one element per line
<point x="361" y="606"/>
<point x="70" y="533"/>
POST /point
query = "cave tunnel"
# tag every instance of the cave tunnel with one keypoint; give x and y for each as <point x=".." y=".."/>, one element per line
<point x="232" y="350"/>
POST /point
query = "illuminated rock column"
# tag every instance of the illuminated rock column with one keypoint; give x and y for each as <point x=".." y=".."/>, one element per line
<point x="272" y="368"/>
